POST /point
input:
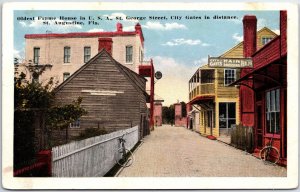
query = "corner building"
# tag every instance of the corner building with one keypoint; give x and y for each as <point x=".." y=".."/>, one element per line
<point x="214" y="103"/>
<point x="263" y="88"/>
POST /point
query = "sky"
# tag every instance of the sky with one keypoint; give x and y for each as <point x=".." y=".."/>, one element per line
<point x="177" y="46"/>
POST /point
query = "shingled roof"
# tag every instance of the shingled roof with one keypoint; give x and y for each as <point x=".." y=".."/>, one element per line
<point x="135" y="79"/>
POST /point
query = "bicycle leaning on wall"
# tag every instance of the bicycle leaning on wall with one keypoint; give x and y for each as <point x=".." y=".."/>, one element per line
<point x="123" y="156"/>
<point x="270" y="153"/>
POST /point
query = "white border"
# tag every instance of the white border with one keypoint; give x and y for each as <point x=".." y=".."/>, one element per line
<point x="8" y="181"/>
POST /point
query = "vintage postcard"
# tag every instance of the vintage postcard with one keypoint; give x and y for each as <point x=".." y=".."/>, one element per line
<point x="150" y="96"/>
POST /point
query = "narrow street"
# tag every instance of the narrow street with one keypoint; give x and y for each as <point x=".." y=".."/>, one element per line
<point x="176" y="151"/>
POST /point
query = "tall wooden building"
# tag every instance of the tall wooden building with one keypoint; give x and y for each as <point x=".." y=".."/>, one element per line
<point x="215" y="104"/>
<point x="114" y="96"/>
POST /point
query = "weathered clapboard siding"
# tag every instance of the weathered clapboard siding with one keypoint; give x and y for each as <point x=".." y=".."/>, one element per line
<point x="90" y="157"/>
<point x="226" y="91"/>
<point x="111" y="112"/>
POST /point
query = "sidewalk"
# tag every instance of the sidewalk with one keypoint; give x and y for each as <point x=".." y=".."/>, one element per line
<point x="178" y="152"/>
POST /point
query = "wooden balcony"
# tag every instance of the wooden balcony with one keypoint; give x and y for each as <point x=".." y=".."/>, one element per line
<point x="202" y="89"/>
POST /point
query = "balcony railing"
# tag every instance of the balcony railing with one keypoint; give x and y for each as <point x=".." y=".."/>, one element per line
<point x="202" y="89"/>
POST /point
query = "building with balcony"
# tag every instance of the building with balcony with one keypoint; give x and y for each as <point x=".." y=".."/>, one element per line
<point x="214" y="104"/>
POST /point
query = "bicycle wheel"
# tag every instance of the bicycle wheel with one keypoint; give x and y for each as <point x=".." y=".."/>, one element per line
<point x="270" y="154"/>
<point x="124" y="158"/>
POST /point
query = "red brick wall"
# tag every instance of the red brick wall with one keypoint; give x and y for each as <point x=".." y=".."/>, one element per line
<point x="105" y="43"/>
<point x="283" y="32"/>
<point x="157" y="114"/>
<point x="181" y="122"/>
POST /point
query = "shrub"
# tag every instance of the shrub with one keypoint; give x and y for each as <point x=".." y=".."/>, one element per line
<point x="91" y="132"/>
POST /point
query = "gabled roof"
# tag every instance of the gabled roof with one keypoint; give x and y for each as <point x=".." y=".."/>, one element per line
<point x="241" y="43"/>
<point x="267" y="29"/>
<point x="135" y="79"/>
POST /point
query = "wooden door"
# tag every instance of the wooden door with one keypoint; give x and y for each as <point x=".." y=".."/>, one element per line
<point x="259" y="126"/>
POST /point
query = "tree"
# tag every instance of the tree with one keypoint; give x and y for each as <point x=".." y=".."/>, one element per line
<point x="34" y="109"/>
<point x="183" y="108"/>
<point x="168" y="114"/>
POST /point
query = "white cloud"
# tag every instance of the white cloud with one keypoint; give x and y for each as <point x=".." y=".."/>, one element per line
<point x="205" y="44"/>
<point x="54" y="25"/>
<point x="96" y="30"/>
<point x="173" y="85"/>
<point x="129" y="28"/>
<point x="201" y="62"/>
<point x="163" y="27"/>
<point x="261" y="23"/>
<point x="23" y="23"/>
<point x="19" y="54"/>
<point x="236" y="21"/>
<point x="182" y="41"/>
<point x="277" y="31"/>
<point x="238" y="38"/>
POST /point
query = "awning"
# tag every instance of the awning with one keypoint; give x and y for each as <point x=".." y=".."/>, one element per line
<point x="201" y="99"/>
<point x="262" y="76"/>
<point x="204" y="101"/>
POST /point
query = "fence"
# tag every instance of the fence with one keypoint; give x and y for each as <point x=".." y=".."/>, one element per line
<point x="90" y="157"/>
<point x="242" y="137"/>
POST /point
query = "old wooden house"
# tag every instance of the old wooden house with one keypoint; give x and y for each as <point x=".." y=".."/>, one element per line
<point x="113" y="95"/>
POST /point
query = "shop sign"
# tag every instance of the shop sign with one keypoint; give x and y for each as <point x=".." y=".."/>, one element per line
<point x="229" y="62"/>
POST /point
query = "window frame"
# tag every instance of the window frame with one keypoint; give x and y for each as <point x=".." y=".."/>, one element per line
<point x="227" y="118"/>
<point x="75" y="124"/>
<point x="266" y="42"/>
<point x="66" y="73"/>
<point x="234" y="78"/>
<point x="67" y="58"/>
<point x="86" y="55"/>
<point x="36" y="56"/>
<point x="266" y="127"/>
<point x="128" y="55"/>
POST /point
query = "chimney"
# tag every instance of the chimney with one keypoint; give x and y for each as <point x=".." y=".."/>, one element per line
<point x="249" y="22"/>
<point x="119" y="27"/>
<point x="138" y="28"/>
<point x="105" y="43"/>
<point x="283" y="31"/>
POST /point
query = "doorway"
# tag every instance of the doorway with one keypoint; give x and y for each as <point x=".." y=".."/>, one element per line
<point x="259" y="126"/>
<point x="227" y="117"/>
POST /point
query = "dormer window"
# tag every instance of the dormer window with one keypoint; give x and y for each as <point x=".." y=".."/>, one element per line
<point x="265" y="40"/>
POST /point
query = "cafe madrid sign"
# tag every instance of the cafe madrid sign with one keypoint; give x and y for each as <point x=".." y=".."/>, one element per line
<point x="229" y="62"/>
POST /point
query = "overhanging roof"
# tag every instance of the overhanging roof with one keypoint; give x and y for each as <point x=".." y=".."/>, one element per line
<point x="202" y="98"/>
